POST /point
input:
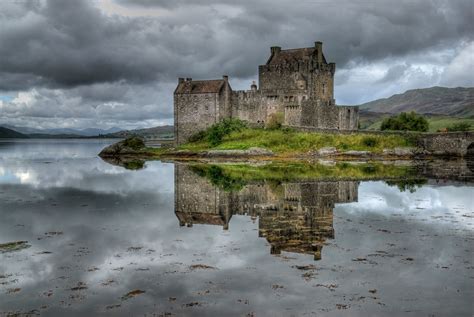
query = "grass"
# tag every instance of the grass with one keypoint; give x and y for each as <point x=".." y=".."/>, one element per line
<point x="233" y="177"/>
<point x="290" y="141"/>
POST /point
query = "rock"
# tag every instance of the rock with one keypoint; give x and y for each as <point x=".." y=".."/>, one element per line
<point x="325" y="151"/>
<point x="404" y="151"/>
<point x="253" y="151"/>
<point x="400" y="151"/>
<point x="128" y="146"/>
<point x="356" y="153"/>
<point x="259" y="151"/>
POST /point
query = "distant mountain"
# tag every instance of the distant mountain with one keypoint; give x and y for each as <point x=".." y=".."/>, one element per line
<point x="63" y="131"/>
<point x="11" y="134"/>
<point x="155" y="132"/>
<point x="457" y="102"/>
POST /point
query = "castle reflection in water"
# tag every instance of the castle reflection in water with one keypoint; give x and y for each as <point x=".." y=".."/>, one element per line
<point x="292" y="216"/>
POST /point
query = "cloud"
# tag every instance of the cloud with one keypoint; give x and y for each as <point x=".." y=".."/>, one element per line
<point x="91" y="55"/>
<point x="460" y="71"/>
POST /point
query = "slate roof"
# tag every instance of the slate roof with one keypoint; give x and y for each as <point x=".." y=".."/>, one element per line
<point x="292" y="55"/>
<point x="201" y="218"/>
<point x="200" y="86"/>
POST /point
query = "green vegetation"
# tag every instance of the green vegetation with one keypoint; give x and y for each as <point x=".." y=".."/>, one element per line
<point x="275" y="121"/>
<point x="436" y="123"/>
<point x="215" y="133"/>
<point x="408" y="184"/>
<point x="405" y="121"/>
<point x="233" y="177"/>
<point x="14" y="246"/>
<point x="134" y="165"/>
<point x="218" y="178"/>
<point x="286" y="141"/>
<point x="460" y="126"/>
<point x="134" y="142"/>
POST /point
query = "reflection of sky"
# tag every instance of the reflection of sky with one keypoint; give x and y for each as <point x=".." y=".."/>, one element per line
<point x="440" y="205"/>
<point x="103" y="210"/>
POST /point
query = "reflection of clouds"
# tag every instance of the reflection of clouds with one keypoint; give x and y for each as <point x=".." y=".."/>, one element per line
<point x="103" y="210"/>
<point x="441" y="205"/>
<point x="86" y="174"/>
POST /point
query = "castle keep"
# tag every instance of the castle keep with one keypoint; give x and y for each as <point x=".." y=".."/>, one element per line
<point x="298" y="83"/>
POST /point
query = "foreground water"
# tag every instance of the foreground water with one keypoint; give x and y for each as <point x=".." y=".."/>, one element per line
<point x="177" y="240"/>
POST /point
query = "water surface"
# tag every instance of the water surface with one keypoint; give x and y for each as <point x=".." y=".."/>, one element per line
<point x="170" y="239"/>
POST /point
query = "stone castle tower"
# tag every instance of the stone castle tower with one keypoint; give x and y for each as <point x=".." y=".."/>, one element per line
<point x="299" y="83"/>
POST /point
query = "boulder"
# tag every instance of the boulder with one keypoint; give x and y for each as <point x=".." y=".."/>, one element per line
<point x="356" y="153"/>
<point x="326" y="151"/>
<point x="129" y="146"/>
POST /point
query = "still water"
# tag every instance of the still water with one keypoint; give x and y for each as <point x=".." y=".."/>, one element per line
<point x="82" y="237"/>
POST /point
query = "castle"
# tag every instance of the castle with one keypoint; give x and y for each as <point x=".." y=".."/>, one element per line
<point x="292" y="216"/>
<point x="298" y="83"/>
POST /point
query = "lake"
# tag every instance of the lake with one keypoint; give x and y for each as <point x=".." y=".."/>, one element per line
<point x="82" y="237"/>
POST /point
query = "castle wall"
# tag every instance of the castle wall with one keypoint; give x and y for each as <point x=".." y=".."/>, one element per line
<point x="194" y="113"/>
<point x="348" y="118"/>
<point x="298" y="83"/>
<point x="283" y="79"/>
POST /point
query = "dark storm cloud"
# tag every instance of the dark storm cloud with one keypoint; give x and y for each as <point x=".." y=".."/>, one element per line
<point x="71" y="43"/>
<point x="116" y="62"/>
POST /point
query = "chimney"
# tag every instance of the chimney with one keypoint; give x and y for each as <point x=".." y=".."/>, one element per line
<point x="226" y="78"/>
<point x="275" y="50"/>
<point x="180" y="80"/>
<point x="319" y="49"/>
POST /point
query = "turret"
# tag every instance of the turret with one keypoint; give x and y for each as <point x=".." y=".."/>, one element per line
<point x="253" y="87"/>
<point x="319" y="51"/>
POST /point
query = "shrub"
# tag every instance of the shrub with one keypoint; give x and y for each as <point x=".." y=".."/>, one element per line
<point x="201" y="135"/>
<point x="275" y="121"/>
<point x="461" y="126"/>
<point x="369" y="141"/>
<point x="406" y="121"/>
<point x="215" y="133"/>
<point x="134" y="142"/>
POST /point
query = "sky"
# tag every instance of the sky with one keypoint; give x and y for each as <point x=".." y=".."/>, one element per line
<point x="115" y="63"/>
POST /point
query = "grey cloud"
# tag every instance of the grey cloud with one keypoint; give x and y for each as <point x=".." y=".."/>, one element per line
<point x="88" y="66"/>
<point x="66" y="43"/>
<point x="394" y="73"/>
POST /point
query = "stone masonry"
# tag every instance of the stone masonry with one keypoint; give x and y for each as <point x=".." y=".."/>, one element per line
<point x="298" y="83"/>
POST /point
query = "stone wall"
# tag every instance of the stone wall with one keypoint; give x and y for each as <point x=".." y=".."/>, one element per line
<point x="455" y="144"/>
<point x="194" y="113"/>
<point x="348" y="118"/>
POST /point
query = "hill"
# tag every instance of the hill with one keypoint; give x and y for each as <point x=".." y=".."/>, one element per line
<point x="166" y="131"/>
<point x="455" y="102"/>
<point x="11" y="134"/>
<point x="62" y="132"/>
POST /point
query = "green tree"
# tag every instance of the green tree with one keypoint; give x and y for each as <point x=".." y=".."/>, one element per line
<point x="406" y="121"/>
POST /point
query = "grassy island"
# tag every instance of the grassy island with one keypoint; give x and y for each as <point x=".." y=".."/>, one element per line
<point x="288" y="141"/>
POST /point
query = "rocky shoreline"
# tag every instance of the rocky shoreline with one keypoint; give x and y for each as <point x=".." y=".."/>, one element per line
<point x="123" y="149"/>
